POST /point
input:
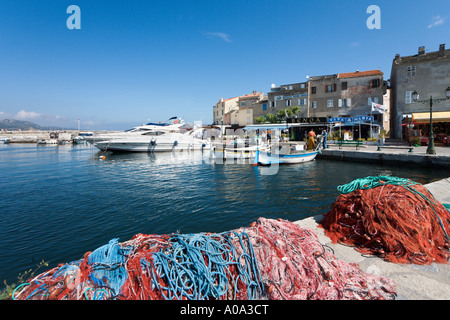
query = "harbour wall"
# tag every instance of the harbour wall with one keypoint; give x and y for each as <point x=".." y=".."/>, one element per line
<point x="390" y="155"/>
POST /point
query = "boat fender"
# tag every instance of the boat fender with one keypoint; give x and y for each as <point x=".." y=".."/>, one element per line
<point x="175" y="143"/>
<point x="153" y="142"/>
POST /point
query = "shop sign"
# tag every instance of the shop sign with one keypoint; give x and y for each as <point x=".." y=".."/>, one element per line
<point x="308" y="120"/>
<point x="353" y="119"/>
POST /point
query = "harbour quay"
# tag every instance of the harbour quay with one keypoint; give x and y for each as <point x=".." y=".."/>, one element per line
<point x="413" y="282"/>
<point x="391" y="153"/>
<point x="35" y="136"/>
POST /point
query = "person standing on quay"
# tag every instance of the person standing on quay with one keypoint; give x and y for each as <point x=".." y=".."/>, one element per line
<point x="324" y="134"/>
<point x="311" y="142"/>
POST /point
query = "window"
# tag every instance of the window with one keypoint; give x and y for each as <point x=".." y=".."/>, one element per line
<point x="344" y="85"/>
<point x="410" y="71"/>
<point x="302" y="86"/>
<point x="313" y="90"/>
<point x="313" y="104"/>
<point x="408" y="97"/>
<point x="301" y="101"/>
<point x="242" y="104"/>
<point x="370" y="100"/>
<point x="374" y="83"/>
<point x="249" y="111"/>
<point x="273" y="104"/>
<point x="330" y="103"/>
<point x="288" y="102"/>
<point x="264" y="106"/>
<point x="330" y="88"/>
<point x="154" y="133"/>
<point x="344" y="103"/>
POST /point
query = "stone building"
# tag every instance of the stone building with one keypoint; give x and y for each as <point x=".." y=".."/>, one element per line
<point x="346" y="94"/>
<point x="349" y="95"/>
<point x="429" y="74"/>
<point x="236" y="111"/>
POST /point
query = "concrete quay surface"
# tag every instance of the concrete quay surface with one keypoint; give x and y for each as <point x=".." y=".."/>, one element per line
<point x="389" y="154"/>
<point x="413" y="282"/>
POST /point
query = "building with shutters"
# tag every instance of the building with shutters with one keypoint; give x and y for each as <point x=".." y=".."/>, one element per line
<point x="349" y="95"/>
<point x="429" y="74"/>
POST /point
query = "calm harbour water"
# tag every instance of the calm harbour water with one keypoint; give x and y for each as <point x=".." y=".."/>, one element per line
<point x="58" y="202"/>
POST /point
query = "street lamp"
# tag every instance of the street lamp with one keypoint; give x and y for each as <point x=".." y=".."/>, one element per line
<point x="415" y="97"/>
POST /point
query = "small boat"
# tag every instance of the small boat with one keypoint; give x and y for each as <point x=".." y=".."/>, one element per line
<point x="287" y="153"/>
<point x="235" y="153"/>
<point x="235" y="150"/>
<point x="4" y="140"/>
<point x="47" y="141"/>
<point x="81" y="137"/>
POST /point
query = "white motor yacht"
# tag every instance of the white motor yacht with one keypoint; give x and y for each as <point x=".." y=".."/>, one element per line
<point x="152" y="137"/>
<point x="153" y="141"/>
<point x="174" y="124"/>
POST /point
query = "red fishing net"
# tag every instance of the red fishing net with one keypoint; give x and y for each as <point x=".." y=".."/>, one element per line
<point x="294" y="265"/>
<point x="270" y="259"/>
<point x="396" y="219"/>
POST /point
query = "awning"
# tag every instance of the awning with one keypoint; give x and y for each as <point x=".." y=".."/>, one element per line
<point x="424" y="117"/>
<point x="267" y="127"/>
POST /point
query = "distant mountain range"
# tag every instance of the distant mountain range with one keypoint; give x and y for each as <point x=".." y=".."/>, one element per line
<point x="11" y="125"/>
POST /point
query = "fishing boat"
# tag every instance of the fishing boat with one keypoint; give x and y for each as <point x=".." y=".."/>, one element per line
<point x="236" y="153"/>
<point x="235" y="150"/>
<point x="285" y="153"/>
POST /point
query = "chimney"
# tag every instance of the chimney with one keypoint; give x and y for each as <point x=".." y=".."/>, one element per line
<point x="421" y="50"/>
<point x="397" y="57"/>
<point x="442" y="50"/>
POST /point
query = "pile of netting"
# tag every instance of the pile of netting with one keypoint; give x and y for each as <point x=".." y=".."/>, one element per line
<point x="270" y="259"/>
<point x="394" y="218"/>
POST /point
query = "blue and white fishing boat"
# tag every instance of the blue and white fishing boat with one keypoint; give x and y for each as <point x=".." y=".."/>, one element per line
<point x="285" y="153"/>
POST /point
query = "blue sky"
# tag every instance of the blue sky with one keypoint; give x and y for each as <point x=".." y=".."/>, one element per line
<point x="134" y="61"/>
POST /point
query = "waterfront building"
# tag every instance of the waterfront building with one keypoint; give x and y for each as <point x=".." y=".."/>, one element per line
<point x="428" y="73"/>
<point x="287" y="96"/>
<point x="222" y="108"/>
<point x="236" y="111"/>
<point x="343" y="95"/>
<point x="349" y="95"/>
<point x="260" y="108"/>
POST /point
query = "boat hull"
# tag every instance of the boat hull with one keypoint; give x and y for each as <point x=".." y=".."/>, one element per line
<point x="148" y="146"/>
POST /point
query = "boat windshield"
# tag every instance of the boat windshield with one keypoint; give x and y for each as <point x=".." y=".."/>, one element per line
<point x="154" y="133"/>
